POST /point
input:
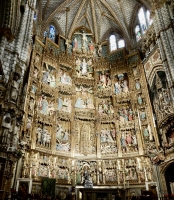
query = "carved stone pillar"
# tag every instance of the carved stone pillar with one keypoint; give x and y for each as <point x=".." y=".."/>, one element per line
<point x="162" y="25"/>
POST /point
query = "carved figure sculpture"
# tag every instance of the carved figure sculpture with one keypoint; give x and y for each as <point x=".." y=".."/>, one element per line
<point x="43" y="105"/>
<point x="14" y="87"/>
<point x="117" y="88"/>
<point x="140" y="100"/>
<point x="35" y="73"/>
<point x="146" y="133"/>
<point x="16" y="136"/>
<point x="75" y="44"/>
<point x="87" y="179"/>
<point x="137" y="85"/>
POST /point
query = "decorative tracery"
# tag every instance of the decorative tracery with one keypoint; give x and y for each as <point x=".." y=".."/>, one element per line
<point x="115" y="42"/>
<point x="144" y="21"/>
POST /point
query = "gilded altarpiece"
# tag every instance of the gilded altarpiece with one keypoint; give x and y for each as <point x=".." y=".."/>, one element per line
<point x="86" y="114"/>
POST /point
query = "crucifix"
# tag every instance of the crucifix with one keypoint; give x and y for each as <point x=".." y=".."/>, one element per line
<point x="84" y="37"/>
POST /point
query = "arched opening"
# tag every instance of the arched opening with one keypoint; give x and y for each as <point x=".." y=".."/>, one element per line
<point x="113" y="44"/>
<point x="143" y="22"/>
<point x="121" y="43"/>
<point x="170" y="136"/>
<point x="169" y="177"/>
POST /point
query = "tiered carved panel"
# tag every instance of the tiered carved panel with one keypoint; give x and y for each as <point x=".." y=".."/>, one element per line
<point x="83" y="106"/>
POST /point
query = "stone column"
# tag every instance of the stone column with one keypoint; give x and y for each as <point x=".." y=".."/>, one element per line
<point x="164" y="32"/>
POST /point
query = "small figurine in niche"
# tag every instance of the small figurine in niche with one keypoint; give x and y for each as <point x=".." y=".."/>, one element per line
<point x="134" y="69"/>
<point x="52" y="81"/>
<point x="80" y="103"/>
<point x="60" y="103"/>
<point x="65" y="79"/>
<point x="129" y="138"/>
<point x="146" y="133"/>
<point x="143" y="115"/>
<point x="130" y="114"/>
<point x="137" y="85"/>
<point x="35" y="73"/>
<point x="51" y="107"/>
<point x="43" y="105"/>
<point x="125" y="86"/>
<point x="89" y="103"/>
<point x="134" y="139"/>
<point x="39" y="135"/>
<point x="75" y="44"/>
<point x="31" y="104"/>
<point x="36" y="60"/>
<point x="91" y="47"/>
<point x="78" y="66"/>
<point x="15" y="87"/>
<point x="46" y="77"/>
<point x="16" y="135"/>
<point x="117" y="87"/>
<point x="102" y="77"/>
<point x="140" y="100"/>
<point x="33" y="89"/>
<point x="108" y="82"/>
<point x="67" y="43"/>
<point x="122" y="139"/>
<point x="28" y="125"/>
<point x="99" y="49"/>
<point x="84" y="67"/>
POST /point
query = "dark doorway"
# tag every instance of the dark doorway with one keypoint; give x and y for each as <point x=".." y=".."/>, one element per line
<point x="169" y="176"/>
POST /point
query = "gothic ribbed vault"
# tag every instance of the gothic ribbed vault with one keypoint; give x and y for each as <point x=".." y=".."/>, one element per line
<point x="100" y="16"/>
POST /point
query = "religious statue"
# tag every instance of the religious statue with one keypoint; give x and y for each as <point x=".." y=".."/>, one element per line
<point x="31" y="105"/>
<point x="121" y="85"/>
<point x="87" y="179"/>
<point x="28" y="126"/>
<point x="67" y="43"/>
<point x="51" y="108"/>
<point x="35" y="73"/>
<point x="43" y="105"/>
<point x="39" y="136"/>
<point x="134" y="69"/>
<point x="129" y="139"/>
<point x="137" y="85"/>
<point x="84" y="67"/>
<point x="146" y="134"/>
<point x="156" y="155"/>
<point x="89" y="103"/>
<point x="7" y="129"/>
<point x="33" y="89"/>
<point x="52" y="81"/>
<point x="75" y="44"/>
<point x="65" y="79"/>
<point x="80" y="103"/>
<point x="37" y="59"/>
<point x="140" y="100"/>
<point x="15" y="87"/>
<point x="16" y="136"/>
<point x="91" y="47"/>
<point x="134" y="139"/>
<point x="117" y="88"/>
<point x="99" y="50"/>
<point x="143" y="115"/>
<point x="44" y="137"/>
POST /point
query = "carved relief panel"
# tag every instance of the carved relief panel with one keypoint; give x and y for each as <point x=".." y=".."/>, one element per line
<point x="85" y="139"/>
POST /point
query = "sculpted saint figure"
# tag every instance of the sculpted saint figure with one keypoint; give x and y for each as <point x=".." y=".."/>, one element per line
<point x="14" y="87"/>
